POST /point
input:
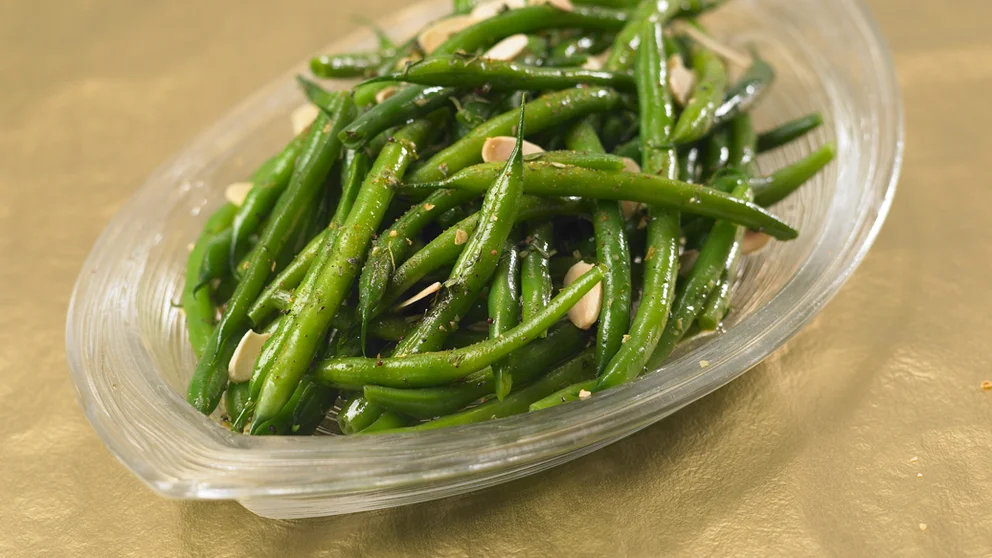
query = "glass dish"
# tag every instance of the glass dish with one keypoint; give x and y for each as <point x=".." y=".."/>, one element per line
<point x="130" y="361"/>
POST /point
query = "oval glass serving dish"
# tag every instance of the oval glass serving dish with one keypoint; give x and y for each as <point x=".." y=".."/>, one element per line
<point x="130" y="360"/>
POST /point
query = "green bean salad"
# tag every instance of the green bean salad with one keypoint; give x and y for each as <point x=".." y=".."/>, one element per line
<point x="527" y="203"/>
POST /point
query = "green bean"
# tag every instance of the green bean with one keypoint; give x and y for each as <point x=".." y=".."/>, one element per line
<point x="433" y="369"/>
<point x="504" y="310"/>
<point x="689" y="165"/>
<point x="628" y="39"/>
<point x="783" y="182"/>
<point x="530" y="361"/>
<point x="535" y="274"/>
<point x="613" y="251"/>
<point x="541" y="114"/>
<point x="197" y="306"/>
<point x="356" y="166"/>
<point x="365" y="96"/>
<point x="235" y="398"/>
<point x="409" y="102"/>
<point x="214" y="262"/>
<point x="715" y="152"/>
<point x="447" y="246"/>
<point x="592" y="43"/>
<point x="691" y="300"/>
<point x="464" y="6"/>
<point x="741" y="156"/>
<point x="315" y="401"/>
<point x="580" y="368"/>
<point x="699" y="114"/>
<point x="630" y="149"/>
<point x="788" y="132"/>
<point x="479" y="258"/>
<point x="392" y="247"/>
<point x="319" y="298"/>
<point x="321" y="151"/>
<point x="579" y="158"/>
<point x="543" y="179"/>
<point x="743" y="94"/>
<point x="564" y="395"/>
<point x="386" y="422"/>
<point x="661" y="259"/>
<point x="357" y="414"/>
<point x="477" y="72"/>
<point x="346" y="65"/>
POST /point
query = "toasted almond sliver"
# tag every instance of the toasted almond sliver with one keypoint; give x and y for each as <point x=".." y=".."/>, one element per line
<point x="681" y="80"/>
<point x="631" y="165"/>
<point x="487" y="10"/>
<point x="302" y="117"/>
<point x="629" y="209"/>
<point x="509" y="48"/>
<point x="243" y="360"/>
<point x="461" y="237"/>
<point x="687" y="260"/>
<point x="586" y="311"/>
<point x="564" y="5"/>
<point x="385" y="94"/>
<point x="440" y="31"/>
<point x="754" y="241"/>
<point x="237" y="192"/>
<point x="431" y="289"/>
<point x="584" y="394"/>
<point x="499" y="148"/>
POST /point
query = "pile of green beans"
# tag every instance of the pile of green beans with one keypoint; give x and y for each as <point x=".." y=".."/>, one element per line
<point x="408" y="262"/>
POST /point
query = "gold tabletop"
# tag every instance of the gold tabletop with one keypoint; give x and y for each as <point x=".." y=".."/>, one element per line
<point x="868" y="434"/>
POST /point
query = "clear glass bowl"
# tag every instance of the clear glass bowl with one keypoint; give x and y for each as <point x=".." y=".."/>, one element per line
<point x="130" y="361"/>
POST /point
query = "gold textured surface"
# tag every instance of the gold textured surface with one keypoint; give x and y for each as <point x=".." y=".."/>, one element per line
<point x="868" y="434"/>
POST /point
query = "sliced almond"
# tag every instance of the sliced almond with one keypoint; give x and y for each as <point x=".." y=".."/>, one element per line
<point x="586" y="311"/>
<point x="681" y="80"/>
<point x="509" y="48"/>
<point x="499" y="148"/>
<point x="492" y="8"/>
<point x="461" y="237"/>
<point x="303" y="117"/>
<point x="440" y="31"/>
<point x="385" y="94"/>
<point x="564" y="5"/>
<point x="431" y="289"/>
<point x="237" y="192"/>
<point x="595" y="62"/>
<point x="584" y="394"/>
<point x="630" y="165"/>
<point x="243" y="360"/>
<point x="754" y="241"/>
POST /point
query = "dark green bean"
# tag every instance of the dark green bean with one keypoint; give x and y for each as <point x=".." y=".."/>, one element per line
<point x="477" y="72"/>
<point x="434" y="369"/>
<point x="525" y="364"/>
<point x="780" y="184"/>
<point x="407" y="103"/>
<point x="661" y="259"/>
<point x="197" y="306"/>
<point x="541" y="114"/>
<point x="691" y="300"/>
<point x="788" y="132"/>
<point x="699" y="114"/>
<point x="744" y="94"/>
<point x="321" y="151"/>
<point x="235" y="398"/>
<point x="504" y="310"/>
<point x="319" y="298"/>
<point x="543" y="179"/>
<point x="715" y="153"/>
<point x="580" y="368"/>
<point x="592" y="43"/>
<point x="447" y="246"/>
<point x="357" y="414"/>
<point x="479" y="258"/>
<point x="535" y="274"/>
<point x="386" y="422"/>
<point x="362" y="64"/>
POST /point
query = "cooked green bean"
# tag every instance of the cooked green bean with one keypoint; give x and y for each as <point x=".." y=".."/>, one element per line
<point x="573" y="392"/>
<point x="475" y="72"/>
<point x="321" y="151"/>
<point x="580" y="368"/>
<point x="387" y="421"/>
<point x="346" y="65"/>
<point x="357" y="414"/>
<point x="478" y="260"/>
<point x="789" y="132"/>
<point x="197" y="306"/>
<point x="699" y="114"/>
<point x="235" y="398"/>
<point x="661" y="260"/>
<point x="544" y="179"/>
<point x="780" y="184"/>
<point x="613" y="251"/>
<point x="504" y="310"/>
<point x="535" y="273"/>
<point x="318" y="301"/>
<point x="440" y="368"/>
<point x="743" y="94"/>
<point x="523" y="365"/>
<point x="691" y="300"/>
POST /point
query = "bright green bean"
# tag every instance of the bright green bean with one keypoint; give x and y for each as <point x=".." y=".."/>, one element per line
<point x="564" y="395"/>
<point x="197" y="306"/>
<point x="780" y="184"/>
<point x="788" y="132"/>
<point x="699" y="114"/>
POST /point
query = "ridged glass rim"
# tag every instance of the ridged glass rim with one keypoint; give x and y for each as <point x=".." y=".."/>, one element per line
<point x="223" y="465"/>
